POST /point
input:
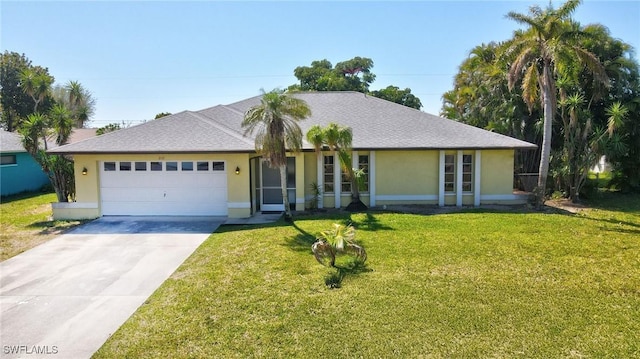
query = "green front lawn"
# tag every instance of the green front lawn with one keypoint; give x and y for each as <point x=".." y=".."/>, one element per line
<point x="476" y="284"/>
<point x="25" y="222"/>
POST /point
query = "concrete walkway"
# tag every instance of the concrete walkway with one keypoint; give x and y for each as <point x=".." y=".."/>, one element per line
<point x="64" y="298"/>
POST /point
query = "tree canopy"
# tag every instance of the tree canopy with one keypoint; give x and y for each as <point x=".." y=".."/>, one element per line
<point x="28" y="89"/>
<point x="16" y="103"/>
<point x="43" y="112"/>
<point x="561" y="74"/>
<point x="351" y="75"/>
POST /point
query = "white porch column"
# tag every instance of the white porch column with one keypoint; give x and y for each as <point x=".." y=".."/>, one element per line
<point x="354" y="159"/>
<point x="441" y="179"/>
<point x="372" y="179"/>
<point x="477" y="173"/>
<point x="459" y="179"/>
<point x="320" y="178"/>
<point x="300" y="185"/>
<point x="337" y="178"/>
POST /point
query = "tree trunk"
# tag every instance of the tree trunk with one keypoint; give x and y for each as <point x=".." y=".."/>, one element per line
<point x="545" y="155"/>
<point x="285" y="194"/>
<point x="356" y="204"/>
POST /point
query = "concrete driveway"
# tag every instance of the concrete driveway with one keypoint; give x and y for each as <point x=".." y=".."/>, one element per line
<point x="64" y="298"/>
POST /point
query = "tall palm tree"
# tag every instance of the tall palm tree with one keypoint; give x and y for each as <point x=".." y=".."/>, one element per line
<point x="276" y="121"/>
<point x="540" y="51"/>
<point x="36" y="84"/>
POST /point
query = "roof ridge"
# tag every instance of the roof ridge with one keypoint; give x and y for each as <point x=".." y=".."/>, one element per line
<point x="228" y="107"/>
<point x="219" y="126"/>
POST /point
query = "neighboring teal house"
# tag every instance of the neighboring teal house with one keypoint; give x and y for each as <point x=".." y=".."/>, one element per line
<point x="19" y="172"/>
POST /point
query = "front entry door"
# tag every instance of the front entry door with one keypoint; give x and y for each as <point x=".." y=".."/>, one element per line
<point x="271" y="199"/>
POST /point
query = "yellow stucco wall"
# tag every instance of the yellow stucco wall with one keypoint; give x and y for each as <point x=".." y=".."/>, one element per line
<point x="401" y="177"/>
<point x="497" y="172"/>
<point x="406" y="173"/>
<point x="88" y="186"/>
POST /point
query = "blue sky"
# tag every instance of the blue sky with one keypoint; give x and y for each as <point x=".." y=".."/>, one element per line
<point x="145" y="57"/>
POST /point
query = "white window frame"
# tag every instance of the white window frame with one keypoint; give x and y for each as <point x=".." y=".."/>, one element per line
<point x="467" y="171"/>
<point x="452" y="166"/>
<point x="326" y="175"/>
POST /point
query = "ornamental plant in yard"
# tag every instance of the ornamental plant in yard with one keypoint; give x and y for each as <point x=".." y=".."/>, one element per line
<point x="340" y="239"/>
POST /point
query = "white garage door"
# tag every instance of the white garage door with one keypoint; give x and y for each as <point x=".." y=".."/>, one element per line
<point x="163" y="188"/>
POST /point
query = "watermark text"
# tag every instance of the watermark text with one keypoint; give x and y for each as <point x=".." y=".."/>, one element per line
<point x="30" y="349"/>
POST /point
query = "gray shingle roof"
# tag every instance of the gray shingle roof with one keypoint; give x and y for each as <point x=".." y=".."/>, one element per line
<point x="376" y="124"/>
<point x="10" y="142"/>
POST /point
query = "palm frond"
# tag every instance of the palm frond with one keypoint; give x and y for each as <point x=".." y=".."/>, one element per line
<point x="594" y="64"/>
<point x="530" y="85"/>
<point x="315" y="136"/>
<point x="567" y="8"/>
<point x="521" y="61"/>
<point x="616" y="114"/>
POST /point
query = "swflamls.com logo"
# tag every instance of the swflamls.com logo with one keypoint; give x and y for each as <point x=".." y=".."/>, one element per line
<point x="30" y="349"/>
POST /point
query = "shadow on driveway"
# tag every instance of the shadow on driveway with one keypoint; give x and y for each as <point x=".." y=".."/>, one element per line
<point x="139" y="225"/>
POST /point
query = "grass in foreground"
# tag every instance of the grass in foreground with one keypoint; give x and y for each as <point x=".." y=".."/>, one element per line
<point x="25" y="222"/>
<point x="475" y="284"/>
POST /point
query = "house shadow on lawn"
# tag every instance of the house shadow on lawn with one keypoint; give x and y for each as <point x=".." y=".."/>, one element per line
<point x="369" y="223"/>
<point x="303" y="240"/>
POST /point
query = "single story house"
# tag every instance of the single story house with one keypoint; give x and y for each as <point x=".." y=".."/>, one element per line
<point x="19" y="172"/>
<point x="197" y="163"/>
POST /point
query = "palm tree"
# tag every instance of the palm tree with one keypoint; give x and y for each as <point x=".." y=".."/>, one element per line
<point x="61" y="123"/>
<point x="77" y="99"/>
<point x="81" y="103"/>
<point x="36" y="84"/>
<point x="338" y="139"/>
<point x="58" y="168"/>
<point x="539" y="52"/>
<point x="276" y="121"/>
<point x="32" y="130"/>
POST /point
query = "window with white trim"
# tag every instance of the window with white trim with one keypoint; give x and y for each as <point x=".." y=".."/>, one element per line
<point x="203" y="166"/>
<point x="467" y="173"/>
<point x="449" y="173"/>
<point x="363" y="164"/>
<point x="171" y="166"/>
<point x="345" y="183"/>
<point x="328" y="174"/>
<point x="125" y="166"/>
<point x="217" y="166"/>
<point x="187" y="166"/>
